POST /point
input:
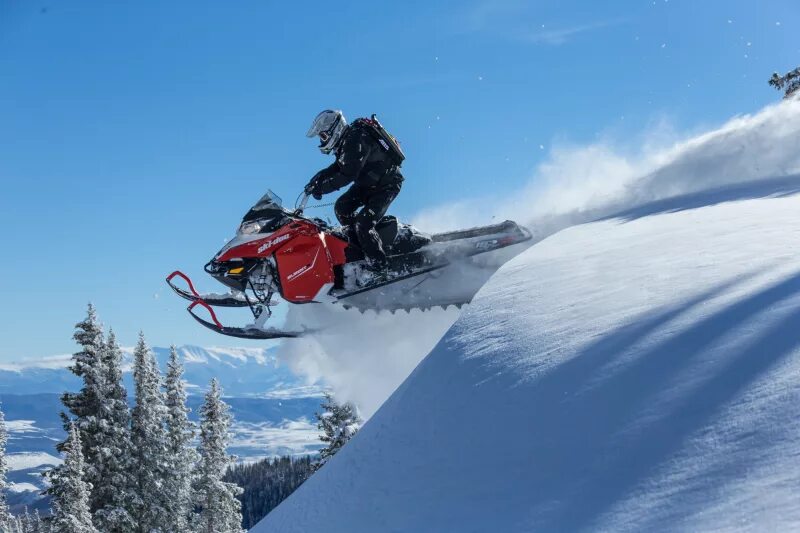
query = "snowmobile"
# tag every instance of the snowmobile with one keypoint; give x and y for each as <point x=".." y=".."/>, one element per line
<point x="281" y="252"/>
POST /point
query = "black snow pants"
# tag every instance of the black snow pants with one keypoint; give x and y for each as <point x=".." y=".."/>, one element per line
<point x="373" y="203"/>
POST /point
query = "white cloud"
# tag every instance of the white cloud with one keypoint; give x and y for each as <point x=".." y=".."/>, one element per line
<point x="22" y="426"/>
<point x="513" y="19"/>
<point x="290" y="437"/>
<point x="53" y="362"/>
<point x="281" y="392"/>
<point x="23" y="461"/>
<point x="560" y="35"/>
<point x="23" y="487"/>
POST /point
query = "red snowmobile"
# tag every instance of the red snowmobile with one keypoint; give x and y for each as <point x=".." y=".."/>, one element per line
<point x="277" y="251"/>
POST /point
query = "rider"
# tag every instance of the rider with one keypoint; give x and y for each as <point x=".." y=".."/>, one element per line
<point x="365" y="161"/>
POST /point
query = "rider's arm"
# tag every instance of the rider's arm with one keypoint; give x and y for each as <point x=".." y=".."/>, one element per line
<point x="348" y="166"/>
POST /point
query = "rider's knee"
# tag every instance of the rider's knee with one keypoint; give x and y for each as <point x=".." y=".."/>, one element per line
<point x="344" y="217"/>
<point x="365" y="220"/>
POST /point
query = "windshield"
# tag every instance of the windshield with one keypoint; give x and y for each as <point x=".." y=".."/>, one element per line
<point x="268" y="201"/>
<point x="267" y="215"/>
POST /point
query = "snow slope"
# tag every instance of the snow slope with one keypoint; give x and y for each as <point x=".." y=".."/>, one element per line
<point x="639" y="373"/>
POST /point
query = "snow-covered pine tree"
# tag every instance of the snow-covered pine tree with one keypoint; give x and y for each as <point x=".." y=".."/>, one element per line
<point x="69" y="490"/>
<point x="24" y="522"/>
<point x="29" y="523"/>
<point x="14" y="524"/>
<point x="789" y="82"/>
<point x="113" y="494"/>
<point x="87" y="405"/>
<point x="5" y="515"/>
<point x="219" y="510"/>
<point x="338" y="422"/>
<point x="37" y="524"/>
<point x="150" y="462"/>
<point x="182" y="457"/>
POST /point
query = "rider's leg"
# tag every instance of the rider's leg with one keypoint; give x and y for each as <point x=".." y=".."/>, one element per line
<point x="374" y="209"/>
<point x="345" y="209"/>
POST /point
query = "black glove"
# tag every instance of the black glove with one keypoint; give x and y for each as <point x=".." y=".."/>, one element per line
<point x="313" y="188"/>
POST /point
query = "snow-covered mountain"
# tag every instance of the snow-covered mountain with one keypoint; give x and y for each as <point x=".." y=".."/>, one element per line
<point x="636" y="373"/>
<point x="273" y="409"/>
<point x="243" y="372"/>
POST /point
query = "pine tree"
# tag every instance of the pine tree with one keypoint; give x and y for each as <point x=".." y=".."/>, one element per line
<point x="24" y="522"/>
<point x="112" y="494"/>
<point x="220" y="511"/>
<point x="182" y="457"/>
<point x="5" y="515"/>
<point x="87" y="405"/>
<point x="790" y="82"/>
<point x="18" y="524"/>
<point x="338" y="422"/>
<point x="29" y="523"/>
<point x="15" y="524"/>
<point x="37" y="524"/>
<point x="148" y="437"/>
<point x="267" y="483"/>
<point x="70" y="491"/>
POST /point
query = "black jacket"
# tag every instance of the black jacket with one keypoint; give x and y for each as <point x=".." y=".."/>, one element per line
<point x="360" y="160"/>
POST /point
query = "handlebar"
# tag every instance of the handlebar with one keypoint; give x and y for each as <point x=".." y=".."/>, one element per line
<point x="299" y="208"/>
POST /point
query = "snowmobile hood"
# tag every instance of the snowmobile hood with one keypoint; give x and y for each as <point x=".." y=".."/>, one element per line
<point x="240" y="239"/>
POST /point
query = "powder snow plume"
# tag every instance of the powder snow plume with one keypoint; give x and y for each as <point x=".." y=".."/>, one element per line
<point x="365" y="357"/>
<point x="580" y="183"/>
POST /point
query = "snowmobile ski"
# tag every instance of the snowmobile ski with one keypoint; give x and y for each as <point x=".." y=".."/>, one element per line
<point x="220" y="300"/>
<point x="248" y="332"/>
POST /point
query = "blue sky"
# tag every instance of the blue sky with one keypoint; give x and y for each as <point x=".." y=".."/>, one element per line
<point x="133" y="135"/>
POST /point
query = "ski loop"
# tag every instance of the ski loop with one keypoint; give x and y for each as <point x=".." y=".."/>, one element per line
<point x="208" y="308"/>
<point x="255" y="331"/>
<point x="180" y="274"/>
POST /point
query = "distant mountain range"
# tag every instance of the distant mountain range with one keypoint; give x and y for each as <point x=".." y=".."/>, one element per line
<point x="250" y="372"/>
<point x="273" y="409"/>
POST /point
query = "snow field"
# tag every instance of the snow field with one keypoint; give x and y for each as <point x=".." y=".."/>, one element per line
<point x="633" y="374"/>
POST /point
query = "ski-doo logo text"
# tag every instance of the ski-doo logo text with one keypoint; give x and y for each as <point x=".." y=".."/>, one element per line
<point x="272" y="242"/>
